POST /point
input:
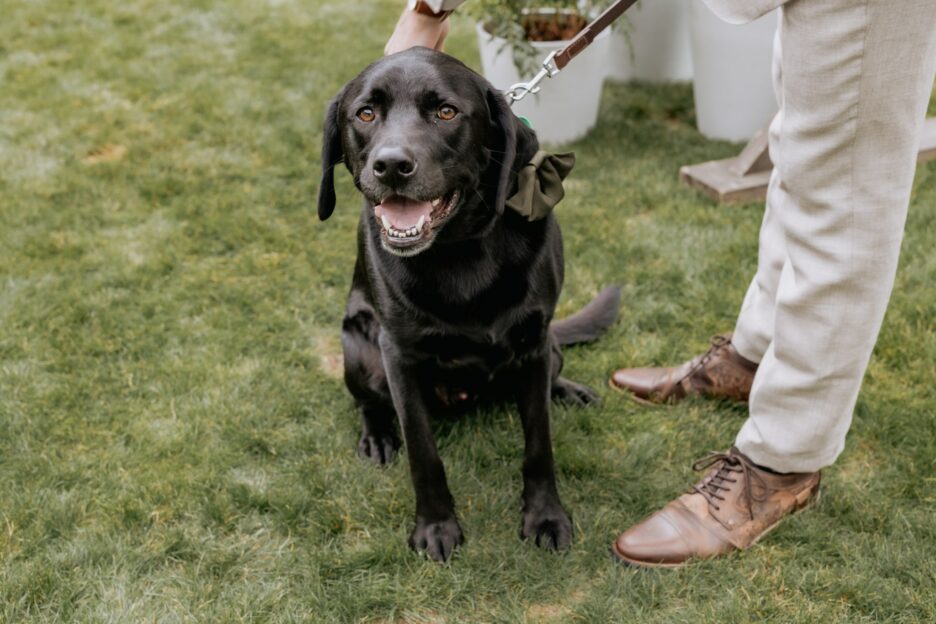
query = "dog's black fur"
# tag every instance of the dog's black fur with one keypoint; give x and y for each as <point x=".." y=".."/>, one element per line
<point x="462" y="315"/>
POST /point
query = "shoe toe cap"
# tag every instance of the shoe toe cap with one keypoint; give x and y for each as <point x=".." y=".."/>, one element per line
<point x="670" y="537"/>
<point x="655" y="541"/>
<point x="639" y="381"/>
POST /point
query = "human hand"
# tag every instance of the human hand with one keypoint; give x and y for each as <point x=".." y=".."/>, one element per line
<point x="415" y="29"/>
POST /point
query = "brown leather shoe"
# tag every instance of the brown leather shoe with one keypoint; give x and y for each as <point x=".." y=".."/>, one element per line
<point x="721" y="372"/>
<point x="731" y="508"/>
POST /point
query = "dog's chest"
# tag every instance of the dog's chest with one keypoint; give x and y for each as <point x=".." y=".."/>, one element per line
<point x="463" y="366"/>
<point x="489" y="347"/>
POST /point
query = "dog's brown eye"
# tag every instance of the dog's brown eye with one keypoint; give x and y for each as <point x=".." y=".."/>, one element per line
<point x="447" y="113"/>
<point x="366" y="114"/>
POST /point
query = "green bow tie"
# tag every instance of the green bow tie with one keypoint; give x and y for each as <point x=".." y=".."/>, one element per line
<point x="539" y="184"/>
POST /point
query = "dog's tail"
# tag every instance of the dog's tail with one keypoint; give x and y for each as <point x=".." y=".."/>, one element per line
<point x="591" y="321"/>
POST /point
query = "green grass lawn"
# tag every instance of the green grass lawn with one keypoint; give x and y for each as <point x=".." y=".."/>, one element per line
<point x="176" y="442"/>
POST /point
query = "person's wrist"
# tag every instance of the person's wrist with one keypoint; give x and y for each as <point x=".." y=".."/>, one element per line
<point x="416" y="29"/>
<point x="422" y="8"/>
<point x="425" y="21"/>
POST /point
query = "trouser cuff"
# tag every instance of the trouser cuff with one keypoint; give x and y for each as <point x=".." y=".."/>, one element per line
<point x="787" y="462"/>
<point x="746" y="348"/>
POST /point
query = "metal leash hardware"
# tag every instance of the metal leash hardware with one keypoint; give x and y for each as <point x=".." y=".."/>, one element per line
<point x="556" y="61"/>
<point x="520" y="90"/>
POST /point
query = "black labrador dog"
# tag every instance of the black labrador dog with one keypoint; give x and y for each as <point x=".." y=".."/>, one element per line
<point x="452" y="295"/>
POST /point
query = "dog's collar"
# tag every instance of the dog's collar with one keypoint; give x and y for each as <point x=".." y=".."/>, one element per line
<point x="539" y="184"/>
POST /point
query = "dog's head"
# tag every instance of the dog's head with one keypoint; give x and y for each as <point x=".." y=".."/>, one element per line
<point x="431" y="144"/>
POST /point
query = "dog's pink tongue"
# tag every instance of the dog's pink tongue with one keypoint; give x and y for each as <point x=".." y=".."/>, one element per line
<point x="403" y="213"/>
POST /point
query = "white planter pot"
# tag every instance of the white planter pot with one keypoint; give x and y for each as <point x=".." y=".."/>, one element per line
<point x="659" y="39"/>
<point x="567" y="106"/>
<point x="734" y="95"/>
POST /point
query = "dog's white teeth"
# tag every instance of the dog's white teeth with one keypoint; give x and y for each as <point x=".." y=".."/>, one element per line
<point x="413" y="230"/>
<point x="395" y="233"/>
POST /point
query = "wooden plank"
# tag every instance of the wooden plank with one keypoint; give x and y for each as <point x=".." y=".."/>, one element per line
<point x="718" y="180"/>
<point x="723" y="180"/>
<point x="928" y="141"/>
<point x="755" y="155"/>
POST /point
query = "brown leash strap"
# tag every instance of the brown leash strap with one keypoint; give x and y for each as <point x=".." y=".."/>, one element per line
<point x="588" y="34"/>
<point x="554" y="63"/>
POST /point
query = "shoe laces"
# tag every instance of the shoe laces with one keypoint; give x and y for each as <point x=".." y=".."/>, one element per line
<point x="717" y="344"/>
<point x="723" y="479"/>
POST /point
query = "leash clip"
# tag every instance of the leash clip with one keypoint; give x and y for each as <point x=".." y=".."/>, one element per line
<point x="520" y="90"/>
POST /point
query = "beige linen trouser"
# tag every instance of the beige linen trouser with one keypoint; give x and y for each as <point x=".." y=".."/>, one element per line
<point x="853" y="79"/>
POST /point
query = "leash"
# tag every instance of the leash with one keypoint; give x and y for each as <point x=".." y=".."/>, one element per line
<point x="556" y="61"/>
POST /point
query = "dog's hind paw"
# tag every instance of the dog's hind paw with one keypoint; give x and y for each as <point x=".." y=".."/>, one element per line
<point x="437" y="539"/>
<point x="573" y="394"/>
<point x="379" y="448"/>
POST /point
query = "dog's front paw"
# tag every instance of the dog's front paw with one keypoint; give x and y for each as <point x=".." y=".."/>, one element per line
<point x="437" y="539"/>
<point x="380" y="448"/>
<point x="573" y="394"/>
<point x="548" y="524"/>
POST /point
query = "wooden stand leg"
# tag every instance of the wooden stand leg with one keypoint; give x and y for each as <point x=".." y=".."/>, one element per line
<point x="744" y="178"/>
<point x="928" y="140"/>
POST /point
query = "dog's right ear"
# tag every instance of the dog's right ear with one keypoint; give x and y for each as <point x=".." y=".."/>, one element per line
<point x="505" y="148"/>
<point x="516" y="145"/>
<point x="332" y="156"/>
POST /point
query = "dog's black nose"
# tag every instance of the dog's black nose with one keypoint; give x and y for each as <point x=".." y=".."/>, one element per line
<point x="393" y="164"/>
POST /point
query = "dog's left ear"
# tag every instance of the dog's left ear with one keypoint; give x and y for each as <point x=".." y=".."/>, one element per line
<point x="516" y="142"/>
<point x="332" y="155"/>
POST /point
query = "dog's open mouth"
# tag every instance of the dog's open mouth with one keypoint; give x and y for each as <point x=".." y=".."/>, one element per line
<point x="405" y="222"/>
